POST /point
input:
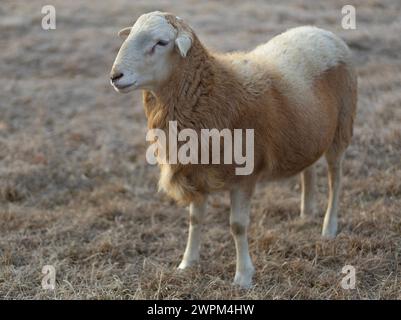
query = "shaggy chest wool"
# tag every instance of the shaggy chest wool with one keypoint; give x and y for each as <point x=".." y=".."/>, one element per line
<point x="185" y="183"/>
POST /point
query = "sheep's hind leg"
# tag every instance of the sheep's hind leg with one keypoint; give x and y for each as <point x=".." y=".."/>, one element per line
<point x="191" y="254"/>
<point x="308" y="199"/>
<point x="334" y="161"/>
<point x="239" y="221"/>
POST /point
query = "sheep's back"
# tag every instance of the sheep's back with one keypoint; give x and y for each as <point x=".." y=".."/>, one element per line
<point x="300" y="55"/>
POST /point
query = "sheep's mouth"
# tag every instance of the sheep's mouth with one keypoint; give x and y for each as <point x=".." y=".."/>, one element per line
<point x="123" y="88"/>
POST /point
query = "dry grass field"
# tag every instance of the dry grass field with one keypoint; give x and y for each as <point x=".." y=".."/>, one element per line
<point x="77" y="193"/>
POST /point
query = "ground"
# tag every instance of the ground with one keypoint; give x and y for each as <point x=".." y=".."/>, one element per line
<point x="77" y="193"/>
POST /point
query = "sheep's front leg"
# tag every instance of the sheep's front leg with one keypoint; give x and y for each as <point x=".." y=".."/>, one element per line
<point x="191" y="254"/>
<point x="239" y="221"/>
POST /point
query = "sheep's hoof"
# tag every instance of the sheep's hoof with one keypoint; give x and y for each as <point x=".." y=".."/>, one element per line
<point x="308" y="217"/>
<point x="309" y="213"/>
<point x="244" y="279"/>
<point x="330" y="224"/>
<point x="329" y="233"/>
<point x="187" y="264"/>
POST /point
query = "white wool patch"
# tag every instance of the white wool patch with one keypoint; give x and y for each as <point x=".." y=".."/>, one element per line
<point x="302" y="54"/>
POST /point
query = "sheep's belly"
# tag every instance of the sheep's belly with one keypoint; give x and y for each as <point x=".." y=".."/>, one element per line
<point x="168" y="185"/>
<point x="189" y="183"/>
<point x="177" y="185"/>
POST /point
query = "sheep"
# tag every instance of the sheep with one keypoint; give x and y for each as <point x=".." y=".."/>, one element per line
<point x="298" y="92"/>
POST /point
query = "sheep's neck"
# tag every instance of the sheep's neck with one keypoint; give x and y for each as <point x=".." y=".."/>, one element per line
<point x="181" y="99"/>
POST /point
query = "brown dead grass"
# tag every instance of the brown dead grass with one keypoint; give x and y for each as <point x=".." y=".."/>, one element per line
<point x="76" y="192"/>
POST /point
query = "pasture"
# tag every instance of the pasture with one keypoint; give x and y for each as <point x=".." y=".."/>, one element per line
<point x="77" y="193"/>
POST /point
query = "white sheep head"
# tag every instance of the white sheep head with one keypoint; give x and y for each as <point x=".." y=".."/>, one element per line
<point x="153" y="47"/>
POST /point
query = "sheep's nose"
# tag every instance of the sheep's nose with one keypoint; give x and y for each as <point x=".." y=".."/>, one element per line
<point x="116" y="75"/>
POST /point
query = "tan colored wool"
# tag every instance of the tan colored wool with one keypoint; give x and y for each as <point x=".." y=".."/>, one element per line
<point x="208" y="90"/>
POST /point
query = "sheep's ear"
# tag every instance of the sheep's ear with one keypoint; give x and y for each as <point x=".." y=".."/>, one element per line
<point x="124" y="32"/>
<point x="183" y="43"/>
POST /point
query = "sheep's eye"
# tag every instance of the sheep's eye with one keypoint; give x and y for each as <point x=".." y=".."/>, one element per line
<point x="162" y="43"/>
